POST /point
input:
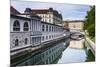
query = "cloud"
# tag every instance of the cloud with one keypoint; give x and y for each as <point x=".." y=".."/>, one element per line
<point x="67" y="10"/>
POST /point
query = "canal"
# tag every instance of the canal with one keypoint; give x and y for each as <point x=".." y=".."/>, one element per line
<point x="66" y="51"/>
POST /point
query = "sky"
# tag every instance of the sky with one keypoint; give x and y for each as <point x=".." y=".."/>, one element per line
<point x="68" y="11"/>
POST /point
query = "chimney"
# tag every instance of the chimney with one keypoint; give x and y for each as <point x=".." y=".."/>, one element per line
<point x="50" y="9"/>
<point x="27" y="11"/>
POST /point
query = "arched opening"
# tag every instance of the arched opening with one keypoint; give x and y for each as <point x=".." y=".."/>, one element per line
<point x="16" y="26"/>
<point x="26" y="27"/>
<point x="16" y="42"/>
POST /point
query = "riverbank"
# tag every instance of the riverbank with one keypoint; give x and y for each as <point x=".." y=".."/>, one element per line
<point x="58" y="52"/>
<point x="18" y="58"/>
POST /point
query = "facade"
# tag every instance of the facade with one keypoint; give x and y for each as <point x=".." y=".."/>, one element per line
<point x="65" y="24"/>
<point x="51" y="31"/>
<point x="74" y="26"/>
<point x="19" y="31"/>
<point x="28" y="31"/>
<point x="47" y="15"/>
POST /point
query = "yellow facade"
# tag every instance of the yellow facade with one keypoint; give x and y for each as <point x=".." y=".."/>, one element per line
<point x="74" y="25"/>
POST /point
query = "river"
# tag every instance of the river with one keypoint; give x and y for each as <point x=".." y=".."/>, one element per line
<point x="66" y="51"/>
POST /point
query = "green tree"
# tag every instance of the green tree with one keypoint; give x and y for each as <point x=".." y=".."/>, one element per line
<point x="90" y="22"/>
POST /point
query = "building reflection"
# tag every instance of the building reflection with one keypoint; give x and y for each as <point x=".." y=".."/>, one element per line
<point x="77" y="44"/>
<point x="48" y="56"/>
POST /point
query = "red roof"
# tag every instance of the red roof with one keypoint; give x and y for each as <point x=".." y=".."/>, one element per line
<point x="40" y="11"/>
<point x="13" y="10"/>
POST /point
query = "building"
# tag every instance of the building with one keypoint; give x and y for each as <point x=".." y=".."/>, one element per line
<point x="65" y="24"/>
<point x="19" y="31"/>
<point x="47" y="15"/>
<point x="51" y="31"/>
<point x="74" y="25"/>
<point x="28" y="31"/>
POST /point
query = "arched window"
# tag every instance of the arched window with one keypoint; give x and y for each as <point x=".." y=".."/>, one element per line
<point x="26" y="28"/>
<point x="16" y="42"/>
<point x="16" y="26"/>
<point x="26" y="40"/>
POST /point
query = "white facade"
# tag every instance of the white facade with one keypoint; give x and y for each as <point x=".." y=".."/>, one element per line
<point x="29" y="31"/>
<point x="50" y="18"/>
<point x="47" y="15"/>
<point x="20" y="35"/>
<point x="50" y="32"/>
<point x="35" y="31"/>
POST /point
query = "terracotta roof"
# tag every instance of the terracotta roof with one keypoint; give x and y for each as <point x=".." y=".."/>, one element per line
<point x="40" y="11"/>
<point x="13" y="10"/>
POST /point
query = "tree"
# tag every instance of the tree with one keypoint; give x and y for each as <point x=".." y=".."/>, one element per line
<point x="90" y="22"/>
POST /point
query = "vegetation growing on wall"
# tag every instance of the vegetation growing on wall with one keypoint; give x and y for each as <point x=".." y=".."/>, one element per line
<point x="90" y="22"/>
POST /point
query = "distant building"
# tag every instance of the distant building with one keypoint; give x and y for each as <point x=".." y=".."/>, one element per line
<point x="47" y="15"/>
<point x="74" y="25"/>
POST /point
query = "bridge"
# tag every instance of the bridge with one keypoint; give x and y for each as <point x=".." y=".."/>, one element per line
<point x="76" y="36"/>
<point x="88" y="43"/>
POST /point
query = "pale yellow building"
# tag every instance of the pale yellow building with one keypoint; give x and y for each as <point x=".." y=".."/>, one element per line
<point x="75" y="25"/>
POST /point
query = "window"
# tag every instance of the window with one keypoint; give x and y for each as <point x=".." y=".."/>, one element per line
<point x="36" y="25"/>
<point x="16" y="42"/>
<point x="26" y="40"/>
<point x="42" y="27"/>
<point x="50" y="20"/>
<point x="26" y="28"/>
<point x="49" y="28"/>
<point x="46" y="27"/>
<point x="42" y="37"/>
<point x="33" y="40"/>
<point x="50" y="37"/>
<point x="44" y="20"/>
<point x="52" y="28"/>
<point x="49" y="16"/>
<point x="16" y="26"/>
<point x="47" y="37"/>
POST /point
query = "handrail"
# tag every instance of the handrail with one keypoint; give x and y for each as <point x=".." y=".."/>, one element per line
<point x="90" y="44"/>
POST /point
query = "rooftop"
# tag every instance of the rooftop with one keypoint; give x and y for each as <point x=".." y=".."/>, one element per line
<point x="14" y="11"/>
<point x="74" y="21"/>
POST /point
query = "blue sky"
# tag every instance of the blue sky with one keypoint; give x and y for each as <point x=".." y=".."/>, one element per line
<point x="68" y="11"/>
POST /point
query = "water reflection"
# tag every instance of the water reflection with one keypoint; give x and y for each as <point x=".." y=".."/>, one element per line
<point x="78" y="44"/>
<point x="67" y="51"/>
<point x="74" y="53"/>
<point x="48" y="56"/>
